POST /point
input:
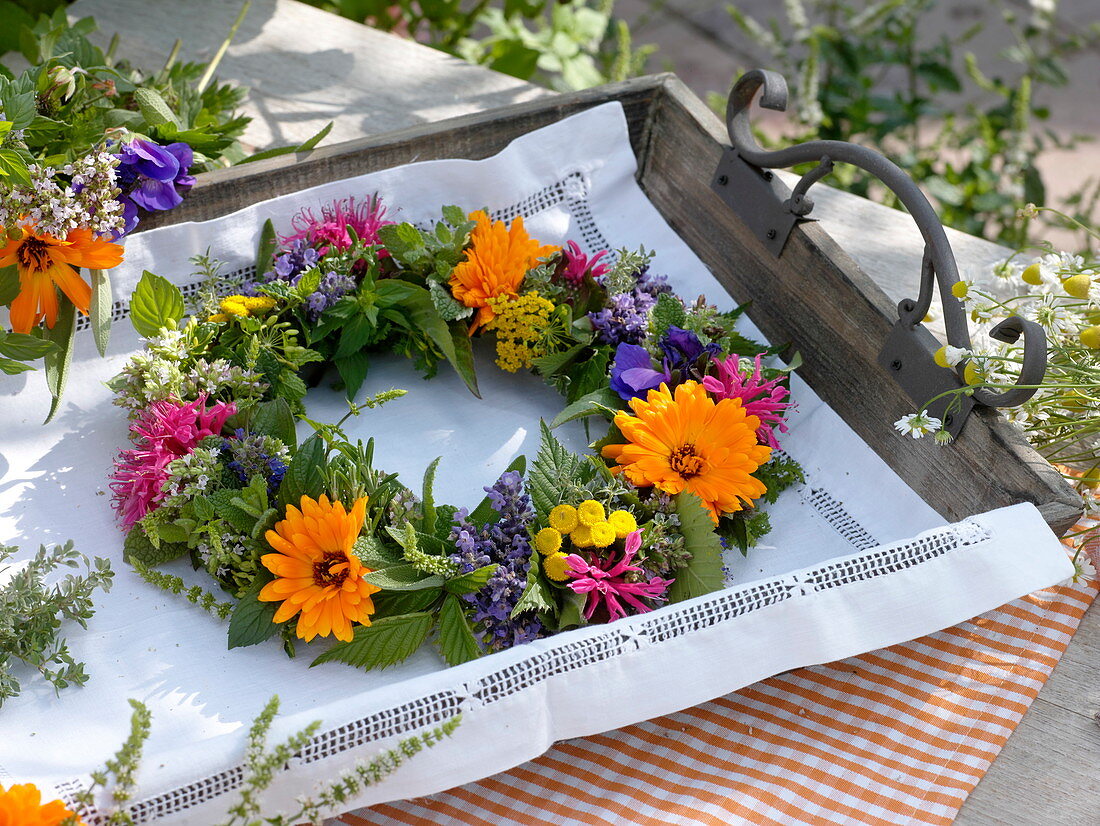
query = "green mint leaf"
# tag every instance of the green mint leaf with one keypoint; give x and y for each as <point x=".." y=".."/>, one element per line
<point x="385" y="642"/>
<point x="703" y="574"/>
<point x="457" y="643"/>
<point x="406" y="577"/>
<point x="155" y="304"/>
<point x="471" y="581"/>
<point x="253" y="621"/>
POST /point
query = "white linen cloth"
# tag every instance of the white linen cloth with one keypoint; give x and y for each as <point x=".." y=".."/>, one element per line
<point x="856" y="560"/>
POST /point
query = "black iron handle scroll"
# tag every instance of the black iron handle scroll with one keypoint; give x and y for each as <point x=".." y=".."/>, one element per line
<point x="939" y="261"/>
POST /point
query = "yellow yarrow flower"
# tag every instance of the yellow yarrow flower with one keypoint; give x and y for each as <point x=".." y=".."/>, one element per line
<point x="221" y="318"/>
<point x="556" y="567"/>
<point x="518" y="323"/>
<point x="602" y="534"/>
<point x="589" y="512"/>
<point x="563" y="519"/>
<point x="623" y="522"/>
<point x="548" y="541"/>
<point x="582" y="536"/>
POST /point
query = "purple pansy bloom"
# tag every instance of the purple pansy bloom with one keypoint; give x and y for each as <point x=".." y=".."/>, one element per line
<point x="633" y="375"/>
<point x="152" y="177"/>
<point x="682" y="348"/>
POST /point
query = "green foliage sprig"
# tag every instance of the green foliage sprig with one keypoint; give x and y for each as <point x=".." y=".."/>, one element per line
<point x="196" y="594"/>
<point x="264" y="764"/>
<point x="32" y="612"/>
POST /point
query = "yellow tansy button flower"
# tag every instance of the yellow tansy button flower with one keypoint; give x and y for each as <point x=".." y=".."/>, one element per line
<point x="548" y="541"/>
<point x="623" y="522"/>
<point x="602" y="534"/>
<point x="556" y="567"/>
<point x="589" y="512"/>
<point x="563" y="519"/>
<point x="582" y="536"/>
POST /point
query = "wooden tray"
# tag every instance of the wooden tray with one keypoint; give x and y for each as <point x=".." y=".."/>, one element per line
<point x="813" y="295"/>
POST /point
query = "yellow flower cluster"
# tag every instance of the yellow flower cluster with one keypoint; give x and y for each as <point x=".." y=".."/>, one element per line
<point x="587" y="525"/>
<point x="242" y="306"/>
<point x="518" y="323"/>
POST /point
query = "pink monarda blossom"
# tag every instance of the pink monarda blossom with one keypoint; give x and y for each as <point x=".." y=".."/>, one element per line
<point x="163" y="433"/>
<point x="763" y="399"/>
<point x="605" y="582"/>
<point x="331" y="229"/>
<point x="577" y="264"/>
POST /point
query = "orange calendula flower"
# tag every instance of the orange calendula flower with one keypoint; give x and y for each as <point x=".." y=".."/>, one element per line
<point x="689" y="442"/>
<point x="21" y="805"/>
<point x="496" y="262"/>
<point x="315" y="570"/>
<point x="46" y="263"/>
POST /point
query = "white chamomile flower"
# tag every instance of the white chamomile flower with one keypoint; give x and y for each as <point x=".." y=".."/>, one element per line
<point x="1007" y="269"/>
<point x="917" y="424"/>
<point x="943" y="437"/>
<point x="950" y="356"/>
<point x="1053" y="317"/>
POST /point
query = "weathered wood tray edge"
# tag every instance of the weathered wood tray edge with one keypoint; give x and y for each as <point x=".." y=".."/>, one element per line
<point x="813" y="295"/>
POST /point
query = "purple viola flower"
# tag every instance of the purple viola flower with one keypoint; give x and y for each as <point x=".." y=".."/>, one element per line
<point x="682" y="348"/>
<point x="633" y="375"/>
<point x="152" y="177"/>
<point x="184" y="155"/>
<point x="145" y="159"/>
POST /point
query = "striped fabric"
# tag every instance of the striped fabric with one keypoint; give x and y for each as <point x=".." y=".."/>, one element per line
<point x="896" y="736"/>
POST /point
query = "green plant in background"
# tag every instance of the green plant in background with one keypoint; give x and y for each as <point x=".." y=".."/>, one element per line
<point x="564" y="45"/>
<point x="865" y="73"/>
<point x="82" y="95"/>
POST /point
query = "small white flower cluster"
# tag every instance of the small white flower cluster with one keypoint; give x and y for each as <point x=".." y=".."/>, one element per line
<point x="163" y="370"/>
<point x="192" y="474"/>
<point x="85" y="197"/>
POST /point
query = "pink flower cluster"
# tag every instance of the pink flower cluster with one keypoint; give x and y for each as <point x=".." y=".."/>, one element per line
<point x="331" y="228"/>
<point x="606" y="581"/>
<point x="577" y="264"/>
<point x="163" y="433"/>
<point x="763" y="399"/>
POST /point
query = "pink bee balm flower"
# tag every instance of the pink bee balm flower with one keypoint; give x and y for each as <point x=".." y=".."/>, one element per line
<point x="577" y="264"/>
<point x="163" y="433"/>
<point x="331" y="228"/>
<point x="605" y="581"/>
<point x="763" y="399"/>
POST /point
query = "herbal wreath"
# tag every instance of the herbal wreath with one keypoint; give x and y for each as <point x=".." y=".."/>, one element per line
<point x="312" y="540"/>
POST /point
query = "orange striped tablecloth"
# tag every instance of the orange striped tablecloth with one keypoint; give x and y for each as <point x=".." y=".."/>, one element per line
<point x="899" y="735"/>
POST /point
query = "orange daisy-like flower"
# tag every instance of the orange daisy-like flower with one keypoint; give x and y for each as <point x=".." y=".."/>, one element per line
<point x="690" y="442"/>
<point x="496" y="262"/>
<point x="315" y="570"/>
<point x="46" y="263"/>
<point x="21" y="805"/>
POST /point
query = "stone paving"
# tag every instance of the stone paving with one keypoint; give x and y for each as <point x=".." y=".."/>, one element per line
<point x="700" y="42"/>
